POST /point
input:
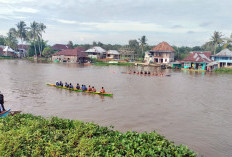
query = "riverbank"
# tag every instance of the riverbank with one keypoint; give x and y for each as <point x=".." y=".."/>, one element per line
<point x="28" y="135"/>
<point x="223" y="70"/>
<point x="40" y="59"/>
<point x="7" y="57"/>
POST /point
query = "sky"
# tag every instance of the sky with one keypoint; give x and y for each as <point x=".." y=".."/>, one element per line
<point x="178" y="22"/>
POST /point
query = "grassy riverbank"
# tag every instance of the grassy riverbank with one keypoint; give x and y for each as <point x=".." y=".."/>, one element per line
<point x="28" y="135"/>
<point x="223" y="70"/>
<point x="40" y="59"/>
<point x="6" y="57"/>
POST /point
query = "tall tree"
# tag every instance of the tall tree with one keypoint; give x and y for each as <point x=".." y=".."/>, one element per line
<point x="21" y="31"/>
<point x="2" y="40"/>
<point x="216" y="39"/>
<point x="41" y="30"/>
<point x="11" y="40"/>
<point x="143" y="42"/>
<point x="33" y="34"/>
<point x="70" y="45"/>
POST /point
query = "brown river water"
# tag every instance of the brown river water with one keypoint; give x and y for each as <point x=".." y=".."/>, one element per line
<point x="194" y="109"/>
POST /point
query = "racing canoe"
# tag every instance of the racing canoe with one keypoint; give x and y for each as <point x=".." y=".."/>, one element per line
<point x="4" y="113"/>
<point x="74" y="89"/>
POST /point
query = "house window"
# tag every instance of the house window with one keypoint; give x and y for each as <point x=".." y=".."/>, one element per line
<point x="166" y="60"/>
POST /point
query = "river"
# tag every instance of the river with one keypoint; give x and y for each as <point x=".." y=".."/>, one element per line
<point x="193" y="109"/>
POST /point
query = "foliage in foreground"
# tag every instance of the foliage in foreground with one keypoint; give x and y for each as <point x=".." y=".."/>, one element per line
<point x="223" y="70"/>
<point x="28" y="135"/>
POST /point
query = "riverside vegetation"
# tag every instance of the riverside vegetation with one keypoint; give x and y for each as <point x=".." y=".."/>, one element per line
<point x="28" y="135"/>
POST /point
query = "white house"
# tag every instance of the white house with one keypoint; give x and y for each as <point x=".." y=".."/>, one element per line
<point x="112" y="54"/>
<point x="96" y="52"/>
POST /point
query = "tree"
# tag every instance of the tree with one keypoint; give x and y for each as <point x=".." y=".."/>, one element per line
<point x="47" y="52"/>
<point x="33" y="34"/>
<point x="11" y="40"/>
<point x="21" y="31"/>
<point x="41" y="30"/>
<point x="216" y="39"/>
<point x="143" y="41"/>
<point x="2" y="40"/>
<point x="70" y="45"/>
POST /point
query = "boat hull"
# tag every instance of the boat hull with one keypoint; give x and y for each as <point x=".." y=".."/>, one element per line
<point x="4" y="114"/>
<point x="76" y="90"/>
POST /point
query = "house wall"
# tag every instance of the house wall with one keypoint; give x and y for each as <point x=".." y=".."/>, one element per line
<point x="112" y="56"/>
<point x="63" y="58"/>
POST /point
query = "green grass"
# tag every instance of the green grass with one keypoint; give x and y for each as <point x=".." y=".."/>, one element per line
<point x="42" y="59"/>
<point x="6" y="57"/>
<point x="107" y="64"/>
<point x="28" y="135"/>
<point x="223" y="70"/>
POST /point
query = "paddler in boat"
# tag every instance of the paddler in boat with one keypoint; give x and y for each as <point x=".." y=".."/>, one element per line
<point x="83" y="88"/>
<point x="102" y="90"/>
<point x="93" y="89"/>
<point x="145" y="73"/>
<point x="70" y="86"/>
<point x="66" y="85"/>
<point x="141" y="72"/>
<point x="61" y="83"/>
<point x="134" y="72"/>
<point x="2" y="108"/>
<point x="89" y="89"/>
<point x="78" y="86"/>
<point x="57" y="83"/>
<point x="149" y="73"/>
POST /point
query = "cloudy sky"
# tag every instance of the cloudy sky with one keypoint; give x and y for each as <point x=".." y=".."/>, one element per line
<point x="179" y="22"/>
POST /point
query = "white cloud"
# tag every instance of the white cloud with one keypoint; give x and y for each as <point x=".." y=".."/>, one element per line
<point x="66" y="21"/>
<point x="26" y="10"/>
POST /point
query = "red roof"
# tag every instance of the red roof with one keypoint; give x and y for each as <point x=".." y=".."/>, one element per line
<point x="25" y="47"/>
<point x="163" y="47"/>
<point x="78" y="51"/>
<point x="199" y="57"/>
<point x="59" y="47"/>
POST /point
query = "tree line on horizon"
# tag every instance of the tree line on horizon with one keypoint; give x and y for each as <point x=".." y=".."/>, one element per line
<point x="33" y="35"/>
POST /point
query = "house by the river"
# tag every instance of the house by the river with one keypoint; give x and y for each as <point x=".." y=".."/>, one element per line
<point x="96" y="52"/>
<point x="224" y="58"/>
<point x="197" y="60"/>
<point x="71" y="55"/>
<point x="162" y="53"/>
<point x="112" y="54"/>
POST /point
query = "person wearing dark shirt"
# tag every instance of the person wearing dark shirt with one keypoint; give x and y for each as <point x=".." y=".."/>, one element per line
<point x="2" y="108"/>
<point x="78" y="86"/>
<point x="61" y="84"/>
<point x="70" y="86"/>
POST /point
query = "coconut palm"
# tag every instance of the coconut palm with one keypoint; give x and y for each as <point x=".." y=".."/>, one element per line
<point x="33" y="34"/>
<point x="22" y="31"/>
<point x="41" y="30"/>
<point x="143" y="41"/>
<point x="216" y="39"/>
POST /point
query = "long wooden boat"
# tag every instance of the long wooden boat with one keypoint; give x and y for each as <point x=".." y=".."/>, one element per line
<point x="146" y="74"/>
<point x="4" y="113"/>
<point x="74" y="89"/>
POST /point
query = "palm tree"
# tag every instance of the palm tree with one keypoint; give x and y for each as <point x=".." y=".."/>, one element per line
<point x="41" y="30"/>
<point x="216" y="39"/>
<point x="33" y="34"/>
<point x="143" y="41"/>
<point x="22" y="31"/>
<point x="11" y="40"/>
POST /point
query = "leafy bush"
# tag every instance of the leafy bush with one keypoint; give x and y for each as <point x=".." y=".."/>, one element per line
<point x="223" y="70"/>
<point x="28" y="135"/>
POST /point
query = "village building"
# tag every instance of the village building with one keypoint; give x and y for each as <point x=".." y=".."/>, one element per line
<point x="127" y="52"/>
<point x="59" y="47"/>
<point x="8" y="52"/>
<point x="223" y="58"/>
<point x="22" y="50"/>
<point x="71" y="55"/>
<point x="112" y="54"/>
<point x="96" y="52"/>
<point x="162" y="53"/>
<point x="197" y="60"/>
<point x="1" y="51"/>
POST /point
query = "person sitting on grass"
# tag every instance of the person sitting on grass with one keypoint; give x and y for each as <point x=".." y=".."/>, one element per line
<point x="89" y="89"/>
<point x="102" y="90"/>
<point x="2" y="108"/>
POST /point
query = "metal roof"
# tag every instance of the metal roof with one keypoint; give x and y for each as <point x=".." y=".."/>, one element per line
<point x="224" y="53"/>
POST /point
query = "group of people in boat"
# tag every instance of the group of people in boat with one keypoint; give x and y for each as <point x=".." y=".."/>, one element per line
<point x="2" y="108"/>
<point x="78" y="87"/>
<point x="147" y="73"/>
